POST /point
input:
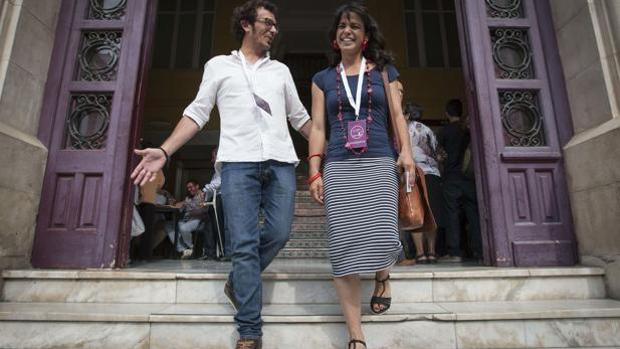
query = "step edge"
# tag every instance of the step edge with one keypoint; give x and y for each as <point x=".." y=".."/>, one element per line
<point x="8" y="275"/>
<point x="553" y="314"/>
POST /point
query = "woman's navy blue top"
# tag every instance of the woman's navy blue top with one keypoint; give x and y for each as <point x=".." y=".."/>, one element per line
<point x="379" y="143"/>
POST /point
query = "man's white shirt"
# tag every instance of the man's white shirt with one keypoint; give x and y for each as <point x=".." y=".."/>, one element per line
<point x="247" y="133"/>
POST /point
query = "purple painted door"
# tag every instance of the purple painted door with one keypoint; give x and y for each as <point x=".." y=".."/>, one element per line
<point x="519" y="112"/>
<point x="86" y="124"/>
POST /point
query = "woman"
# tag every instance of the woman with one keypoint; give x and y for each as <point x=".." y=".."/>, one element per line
<point x="359" y="186"/>
<point x="426" y="154"/>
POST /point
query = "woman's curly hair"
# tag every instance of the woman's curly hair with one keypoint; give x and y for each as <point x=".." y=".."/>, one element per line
<point x="248" y="12"/>
<point x="375" y="51"/>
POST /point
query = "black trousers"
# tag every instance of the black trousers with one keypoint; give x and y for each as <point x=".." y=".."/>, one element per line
<point x="147" y="212"/>
<point x="459" y="193"/>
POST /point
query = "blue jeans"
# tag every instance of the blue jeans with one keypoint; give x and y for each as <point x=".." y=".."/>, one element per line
<point x="246" y="188"/>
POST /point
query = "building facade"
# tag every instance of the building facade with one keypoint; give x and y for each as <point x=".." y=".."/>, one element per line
<point x="81" y="81"/>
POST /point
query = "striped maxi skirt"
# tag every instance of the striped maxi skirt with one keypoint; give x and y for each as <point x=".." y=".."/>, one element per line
<point x="361" y="201"/>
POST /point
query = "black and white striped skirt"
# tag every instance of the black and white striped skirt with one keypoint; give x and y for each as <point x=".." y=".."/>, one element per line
<point x="361" y="200"/>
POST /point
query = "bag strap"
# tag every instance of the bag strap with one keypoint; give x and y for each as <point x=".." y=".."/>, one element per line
<point x="391" y="120"/>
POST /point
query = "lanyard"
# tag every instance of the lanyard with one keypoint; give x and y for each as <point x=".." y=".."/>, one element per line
<point x="358" y="93"/>
<point x="250" y="77"/>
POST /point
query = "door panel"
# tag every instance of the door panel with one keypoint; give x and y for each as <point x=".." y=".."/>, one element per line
<point x="86" y="120"/>
<point x="516" y="133"/>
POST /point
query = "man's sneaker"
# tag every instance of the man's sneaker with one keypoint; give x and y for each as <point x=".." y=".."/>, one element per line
<point x="249" y="344"/>
<point x="230" y="294"/>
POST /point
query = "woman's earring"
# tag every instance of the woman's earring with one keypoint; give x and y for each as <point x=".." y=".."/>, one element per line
<point x="364" y="45"/>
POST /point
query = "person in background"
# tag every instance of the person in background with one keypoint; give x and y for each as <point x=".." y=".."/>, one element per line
<point x="426" y="153"/>
<point x="457" y="187"/>
<point x="192" y="216"/>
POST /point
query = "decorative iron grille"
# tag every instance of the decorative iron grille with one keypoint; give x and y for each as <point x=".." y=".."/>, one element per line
<point x="98" y="56"/>
<point x="521" y="118"/>
<point x="512" y="53"/>
<point x="88" y="121"/>
<point x="505" y="8"/>
<point x="106" y="9"/>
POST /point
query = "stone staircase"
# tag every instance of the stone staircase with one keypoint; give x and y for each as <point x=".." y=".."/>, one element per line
<point x="180" y="304"/>
<point x="308" y="236"/>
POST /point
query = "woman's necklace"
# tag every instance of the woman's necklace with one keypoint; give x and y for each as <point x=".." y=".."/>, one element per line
<point x="340" y="116"/>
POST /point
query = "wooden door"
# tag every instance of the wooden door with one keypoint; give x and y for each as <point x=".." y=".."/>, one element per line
<point x="519" y="124"/>
<point x="87" y="123"/>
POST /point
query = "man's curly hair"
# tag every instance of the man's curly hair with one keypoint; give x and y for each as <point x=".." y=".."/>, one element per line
<point x="248" y="12"/>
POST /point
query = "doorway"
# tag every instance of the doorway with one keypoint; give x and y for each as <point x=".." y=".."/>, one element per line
<point x="425" y="44"/>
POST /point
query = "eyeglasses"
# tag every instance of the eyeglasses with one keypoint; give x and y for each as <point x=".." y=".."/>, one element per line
<point x="268" y="23"/>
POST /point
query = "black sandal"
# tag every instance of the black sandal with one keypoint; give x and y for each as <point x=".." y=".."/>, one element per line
<point x="378" y="300"/>
<point x="431" y="258"/>
<point x="354" y="342"/>
<point x="421" y="259"/>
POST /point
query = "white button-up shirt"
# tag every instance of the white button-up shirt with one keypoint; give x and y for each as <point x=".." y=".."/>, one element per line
<point x="247" y="133"/>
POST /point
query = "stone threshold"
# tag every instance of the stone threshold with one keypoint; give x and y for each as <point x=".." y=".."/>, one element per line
<point x="221" y="273"/>
<point x="311" y="313"/>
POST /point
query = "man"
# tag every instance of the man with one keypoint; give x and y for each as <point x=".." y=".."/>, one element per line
<point x="193" y="216"/>
<point x="454" y="138"/>
<point x="256" y="158"/>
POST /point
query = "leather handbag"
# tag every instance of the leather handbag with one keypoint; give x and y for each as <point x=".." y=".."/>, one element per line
<point x="414" y="211"/>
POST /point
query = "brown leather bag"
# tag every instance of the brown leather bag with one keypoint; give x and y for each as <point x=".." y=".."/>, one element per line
<point x="414" y="211"/>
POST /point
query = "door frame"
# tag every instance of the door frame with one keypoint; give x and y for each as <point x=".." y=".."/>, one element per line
<point x="494" y="233"/>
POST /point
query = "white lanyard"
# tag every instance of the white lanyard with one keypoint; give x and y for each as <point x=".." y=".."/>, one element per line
<point x="358" y="93"/>
<point x="250" y="76"/>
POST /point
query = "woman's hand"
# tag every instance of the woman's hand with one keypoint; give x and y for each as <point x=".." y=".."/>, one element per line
<point x="406" y="164"/>
<point x="316" y="190"/>
<point x="153" y="160"/>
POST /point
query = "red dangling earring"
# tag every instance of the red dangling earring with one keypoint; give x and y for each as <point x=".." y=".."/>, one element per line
<point x="335" y="46"/>
<point x="364" y="45"/>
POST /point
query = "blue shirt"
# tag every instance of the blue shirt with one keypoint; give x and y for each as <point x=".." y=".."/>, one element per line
<point x="379" y="144"/>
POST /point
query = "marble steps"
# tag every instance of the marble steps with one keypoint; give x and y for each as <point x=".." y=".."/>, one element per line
<point x="308" y="227"/>
<point x="308" y="235"/>
<point x="313" y="205"/>
<point x="303" y="196"/>
<point x="295" y="284"/>
<point x="307" y="243"/>
<point x="310" y="212"/>
<point x="296" y="253"/>
<point x="320" y="219"/>
<point x="447" y="325"/>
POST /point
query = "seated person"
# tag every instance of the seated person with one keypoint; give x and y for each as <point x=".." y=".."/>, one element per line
<point x="192" y="215"/>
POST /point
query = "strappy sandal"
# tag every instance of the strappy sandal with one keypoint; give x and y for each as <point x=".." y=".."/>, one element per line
<point x="432" y="259"/>
<point x="353" y="344"/>
<point x="421" y="259"/>
<point x="378" y="300"/>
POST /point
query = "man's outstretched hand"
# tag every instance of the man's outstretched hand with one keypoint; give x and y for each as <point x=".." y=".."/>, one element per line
<point x="153" y="160"/>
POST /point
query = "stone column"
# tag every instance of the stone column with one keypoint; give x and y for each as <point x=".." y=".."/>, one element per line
<point x="27" y="29"/>
<point x="588" y="33"/>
